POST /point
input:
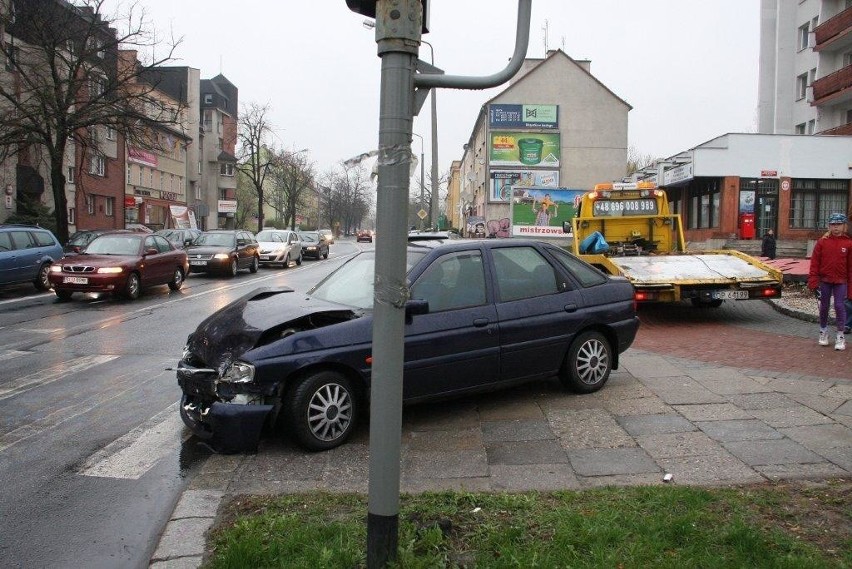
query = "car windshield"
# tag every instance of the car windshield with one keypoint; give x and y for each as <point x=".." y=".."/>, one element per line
<point x="81" y="238"/>
<point x="114" y="245"/>
<point x="271" y="236"/>
<point x="352" y="283"/>
<point x="215" y="239"/>
<point x="310" y="237"/>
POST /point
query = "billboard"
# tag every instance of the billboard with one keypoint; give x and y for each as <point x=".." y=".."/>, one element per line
<point x="503" y="180"/>
<point x="523" y="116"/>
<point x="539" y="212"/>
<point x="524" y="149"/>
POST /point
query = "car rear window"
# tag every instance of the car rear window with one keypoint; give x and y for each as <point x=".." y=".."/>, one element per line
<point x="582" y="271"/>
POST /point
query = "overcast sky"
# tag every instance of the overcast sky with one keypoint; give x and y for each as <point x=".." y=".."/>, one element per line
<point x="688" y="68"/>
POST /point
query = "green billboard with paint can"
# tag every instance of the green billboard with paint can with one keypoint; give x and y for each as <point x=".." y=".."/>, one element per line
<point x="524" y="149"/>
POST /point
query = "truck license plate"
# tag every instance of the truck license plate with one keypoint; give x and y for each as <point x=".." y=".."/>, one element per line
<point x="730" y="294"/>
<point x="75" y="280"/>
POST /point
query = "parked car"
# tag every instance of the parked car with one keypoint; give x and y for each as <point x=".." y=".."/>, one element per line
<point x="180" y="238"/>
<point x="26" y="253"/>
<point x="279" y="246"/>
<point x="326" y="235"/>
<point x="80" y="239"/>
<point x="122" y="264"/>
<point x="224" y="251"/>
<point x="313" y="245"/>
<point x="481" y="315"/>
<point x="364" y="235"/>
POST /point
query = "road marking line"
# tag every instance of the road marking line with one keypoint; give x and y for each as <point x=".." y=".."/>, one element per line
<point x="9" y="354"/>
<point x="134" y="454"/>
<point x="52" y="374"/>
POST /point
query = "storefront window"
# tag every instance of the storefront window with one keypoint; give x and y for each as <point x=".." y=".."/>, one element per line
<point x="704" y="199"/>
<point x="812" y="201"/>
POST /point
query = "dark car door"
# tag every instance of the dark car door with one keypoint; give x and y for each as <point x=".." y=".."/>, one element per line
<point x="538" y="309"/>
<point x="159" y="267"/>
<point x="246" y="249"/>
<point x="456" y="345"/>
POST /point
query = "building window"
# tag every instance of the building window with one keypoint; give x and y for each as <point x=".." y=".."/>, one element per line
<point x="90" y="204"/>
<point x="804" y="33"/>
<point x="97" y="165"/>
<point x="812" y="201"/>
<point x="151" y="179"/>
<point x="226" y="169"/>
<point x="208" y="99"/>
<point x="208" y="120"/>
<point x="849" y="111"/>
<point x="110" y="133"/>
<point x="811" y="126"/>
<point x="141" y="175"/>
<point x="801" y="86"/>
<point x="704" y="205"/>
<point x="109" y="207"/>
<point x="97" y="85"/>
<point x="199" y="166"/>
<point x="129" y="174"/>
<point x="69" y="177"/>
<point x="72" y="214"/>
<point x="800" y="128"/>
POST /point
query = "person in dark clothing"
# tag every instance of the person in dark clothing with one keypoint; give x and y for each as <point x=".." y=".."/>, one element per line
<point x="768" y="248"/>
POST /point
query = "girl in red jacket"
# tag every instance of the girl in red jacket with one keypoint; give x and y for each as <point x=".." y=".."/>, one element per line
<point x="830" y="276"/>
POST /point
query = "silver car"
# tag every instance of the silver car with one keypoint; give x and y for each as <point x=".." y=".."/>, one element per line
<point x="279" y="247"/>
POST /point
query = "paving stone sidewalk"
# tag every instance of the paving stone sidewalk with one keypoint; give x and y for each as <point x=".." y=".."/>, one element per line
<point x="658" y="415"/>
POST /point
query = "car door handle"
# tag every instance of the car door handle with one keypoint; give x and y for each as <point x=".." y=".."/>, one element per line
<point x="481" y="322"/>
<point x="570" y="307"/>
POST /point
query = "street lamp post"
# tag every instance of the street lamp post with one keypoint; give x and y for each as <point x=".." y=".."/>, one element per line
<point x="433" y="203"/>
<point x="422" y="180"/>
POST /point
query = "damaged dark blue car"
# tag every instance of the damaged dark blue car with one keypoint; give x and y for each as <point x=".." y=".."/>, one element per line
<point x="482" y="314"/>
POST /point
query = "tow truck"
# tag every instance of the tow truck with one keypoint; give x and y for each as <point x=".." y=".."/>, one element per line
<point x="627" y="229"/>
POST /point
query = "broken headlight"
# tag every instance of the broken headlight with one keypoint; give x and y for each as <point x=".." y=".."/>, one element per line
<point x="238" y="372"/>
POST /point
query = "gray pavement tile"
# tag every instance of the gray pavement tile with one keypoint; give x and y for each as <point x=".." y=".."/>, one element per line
<point x="445" y="416"/>
<point x="845" y="409"/>
<point x="450" y="464"/>
<point x="820" y="437"/>
<point x="681" y="390"/>
<point x="645" y="406"/>
<point x="259" y="486"/>
<point x="501" y="431"/>
<point x="179" y="563"/>
<point x="841" y="456"/>
<point x="839" y="391"/>
<point x="526" y="452"/>
<point x="633" y="389"/>
<point x="778" y="472"/>
<point x="641" y="365"/>
<point x="781" y="451"/>
<point x="792" y="417"/>
<point x="729" y="382"/>
<point x="842" y="419"/>
<point x="540" y="477"/>
<point x="738" y="430"/>
<point x="571" y="402"/>
<point x="815" y="387"/>
<point x="347" y="469"/>
<point x="654" y="424"/>
<point x="607" y="462"/>
<point x="183" y="538"/>
<point x="443" y="440"/>
<point x="709" y="470"/>
<point x="819" y="403"/>
<point x="674" y="445"/>
<point x="712" y="412"/>
<point x="216" y="481"/>
<point x="762" y="401"/>
<point x="198" y="504"/>
<point x="283" y="464"/>
<point x="227" y="463"/>
<point x="588" y="428"/>
<point x="420" y="485"/>
<point x="655" y="479"/>
<point x="510" y="409"/>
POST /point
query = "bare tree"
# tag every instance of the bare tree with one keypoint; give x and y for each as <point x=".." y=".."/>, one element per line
<point x="292" y="178"/>
<point x="70" y="80"/>
<point x="346" y="194"/>
<point x="254" y="157"/>
<point x="246" y="207"/>
<point x="637" y="161"/>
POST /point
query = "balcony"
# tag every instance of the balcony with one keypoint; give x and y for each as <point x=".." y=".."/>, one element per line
<point x="834" y="88"/>
<point x="844" y="129"/>
<point x="834" y="29"/>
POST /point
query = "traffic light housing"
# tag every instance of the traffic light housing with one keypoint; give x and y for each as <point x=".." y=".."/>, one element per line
<point x="368" y="8"/>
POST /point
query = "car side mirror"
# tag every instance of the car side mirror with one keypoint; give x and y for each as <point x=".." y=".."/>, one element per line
<point x="414" y="307"/>
<point x="151" y="251"/>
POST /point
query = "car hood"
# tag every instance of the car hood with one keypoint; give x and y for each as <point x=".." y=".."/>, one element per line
<point x="233" y="330"/>
<point x="99" y="260"/>
<point x="207" y="250"/>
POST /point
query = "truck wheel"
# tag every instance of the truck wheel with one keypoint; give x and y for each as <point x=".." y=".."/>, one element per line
<point x="588" y="363"/>
<point x="321" y="410"/>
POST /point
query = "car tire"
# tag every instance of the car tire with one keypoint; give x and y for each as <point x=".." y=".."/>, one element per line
<point x="588" y="363"/>
<point x="321" y="410"/>
<point x="233" y="268"/>
<point x="177" y="280"/>
<point x="325" y="255"/>
<point x="42" y="282"/>
<point x="299" y="260"/>
<point x="286" y="263"/>
<point x="63" y="295"/>
<point x="132" y="287"/>
<point x="255" y="264"/>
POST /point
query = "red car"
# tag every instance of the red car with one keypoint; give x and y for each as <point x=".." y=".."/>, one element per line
<point x="365" y="235"/>
<point x="120" y="263"/>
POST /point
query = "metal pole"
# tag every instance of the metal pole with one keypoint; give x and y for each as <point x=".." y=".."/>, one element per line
<point x="433" y="203"/>
<point x="422" y="177"/>
<point x="398" y="29"/>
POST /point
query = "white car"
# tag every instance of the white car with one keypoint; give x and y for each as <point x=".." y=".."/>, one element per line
<point x="279" y="247"/>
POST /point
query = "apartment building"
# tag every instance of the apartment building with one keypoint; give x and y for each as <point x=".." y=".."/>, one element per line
<point x="217" y="162"/>
<point x="805" y="81"/>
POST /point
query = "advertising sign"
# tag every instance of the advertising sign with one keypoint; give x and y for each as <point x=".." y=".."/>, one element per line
<point x="524" y="149"/>
<point x="227" y="206"/>
<point x="523" y="116"/>
<point x="503" y="180"/>
<point x="539" y="212"/>
<point x="141" y="157"/>
<point x="183" y="217"/>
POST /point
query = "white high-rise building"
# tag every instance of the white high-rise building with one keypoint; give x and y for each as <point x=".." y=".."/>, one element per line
<point x="805" y="83"/>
